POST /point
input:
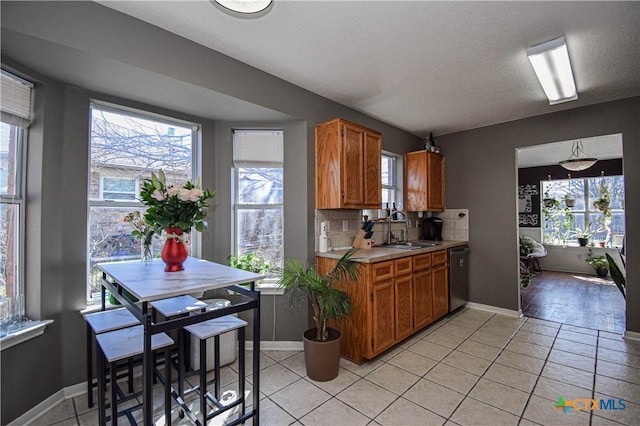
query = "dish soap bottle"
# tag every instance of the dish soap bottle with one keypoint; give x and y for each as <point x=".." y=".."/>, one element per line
<point x="323" y="239"/>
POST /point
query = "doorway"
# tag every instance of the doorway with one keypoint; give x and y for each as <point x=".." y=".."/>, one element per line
<point x="567" y="290"/>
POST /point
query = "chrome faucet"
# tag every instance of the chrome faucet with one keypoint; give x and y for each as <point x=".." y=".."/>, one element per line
<point x="405" y="230"/>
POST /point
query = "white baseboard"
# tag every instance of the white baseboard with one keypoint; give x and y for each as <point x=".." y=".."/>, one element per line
<point x="494" y="309"/>
<point x="631" y="335"/>
<point x="274" y="345"/>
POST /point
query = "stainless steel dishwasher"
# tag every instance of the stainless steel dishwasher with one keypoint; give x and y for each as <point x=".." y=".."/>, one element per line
<point x="458" y="277"/>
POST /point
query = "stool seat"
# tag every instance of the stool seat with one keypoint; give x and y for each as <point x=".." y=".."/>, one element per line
<point x="104" y="321"/>
<point x="214" y="327"/>
<point x="128" y="342"/>
<point x="178" y="305"/>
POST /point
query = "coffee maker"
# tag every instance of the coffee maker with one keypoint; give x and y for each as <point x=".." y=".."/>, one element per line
<point x="431" y="229"/>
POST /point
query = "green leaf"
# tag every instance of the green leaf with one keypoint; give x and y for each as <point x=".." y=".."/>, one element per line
<point x="617" y="275"/>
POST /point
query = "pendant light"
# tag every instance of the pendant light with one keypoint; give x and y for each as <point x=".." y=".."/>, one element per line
<point x="244" y="7"/>
<point x="578" y="160"/>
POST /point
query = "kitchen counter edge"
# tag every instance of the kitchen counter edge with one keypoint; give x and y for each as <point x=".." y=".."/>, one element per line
<point x="380" y="253"/>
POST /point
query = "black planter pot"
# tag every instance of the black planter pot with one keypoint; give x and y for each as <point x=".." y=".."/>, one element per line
<point x="602" y="272"/>
<point x="583" y="242"/>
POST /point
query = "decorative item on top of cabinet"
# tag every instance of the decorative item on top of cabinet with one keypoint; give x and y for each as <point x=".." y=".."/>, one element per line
<point x="424" y="181"/>
<point x="348" y="168"/>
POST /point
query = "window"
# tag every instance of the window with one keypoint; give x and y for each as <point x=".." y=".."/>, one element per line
<point x="126" y="146"/>
<point x="258" y="161"/>
<point x="563" y="221"/>
<point x="113" y="188"/>
<point x="389" y="179"/>
<point x="16" y="108"/>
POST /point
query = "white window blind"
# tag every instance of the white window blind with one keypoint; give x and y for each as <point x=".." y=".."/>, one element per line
<point x="15" y="100"/>
<point x="258" y="147"/>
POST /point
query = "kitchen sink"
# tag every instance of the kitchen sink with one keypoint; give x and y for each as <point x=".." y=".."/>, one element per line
<point x="399" y="246"/>
<point x="408" y="246"/>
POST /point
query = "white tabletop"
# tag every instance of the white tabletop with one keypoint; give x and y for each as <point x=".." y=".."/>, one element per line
<point x="148" y="281"/>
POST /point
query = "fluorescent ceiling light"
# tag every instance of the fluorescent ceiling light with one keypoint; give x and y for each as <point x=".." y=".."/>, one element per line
<point x="246" y="7"/>
<point x="551" y="63"/>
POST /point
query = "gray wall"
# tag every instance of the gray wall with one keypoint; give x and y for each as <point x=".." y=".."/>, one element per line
<point x="38" y="38"/>
<point x="482" y="176"/>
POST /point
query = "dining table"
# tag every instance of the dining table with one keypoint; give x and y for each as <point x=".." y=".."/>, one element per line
<point x="136" y="284"/>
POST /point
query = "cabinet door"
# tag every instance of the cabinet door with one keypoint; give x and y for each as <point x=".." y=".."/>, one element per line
<point x="415" y="181"/>
<point x="440" y="291"/>
<point x="353" y="165"/>
<point x="404" y="306"/>
<point x="382" y="318"/>
<point x="422" y="298"/>
<point x="435" y="180"/>
<point x="372" y="173"/>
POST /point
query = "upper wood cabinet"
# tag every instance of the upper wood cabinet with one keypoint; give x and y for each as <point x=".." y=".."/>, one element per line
<point x="348" y="162"/>
<point x="424" y="186"/>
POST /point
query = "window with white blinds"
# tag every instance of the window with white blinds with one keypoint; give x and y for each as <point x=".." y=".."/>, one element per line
<point x="258" y="159"/>
<point x="253" y="147"/>
<point x="15" y="104"/>
<point x="15" y="100"/>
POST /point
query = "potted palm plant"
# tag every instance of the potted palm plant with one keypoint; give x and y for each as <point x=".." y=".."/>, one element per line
<point x="321" y="343"/>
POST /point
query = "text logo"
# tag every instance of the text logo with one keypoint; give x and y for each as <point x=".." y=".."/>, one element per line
<point x="588" y="404"/>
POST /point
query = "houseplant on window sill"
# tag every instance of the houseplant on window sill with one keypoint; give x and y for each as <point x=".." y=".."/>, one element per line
<point x="250" y="262"/>
<point x="321" y="344"/>
<point x="583" y="235"/>
<point x="175" y="210"/>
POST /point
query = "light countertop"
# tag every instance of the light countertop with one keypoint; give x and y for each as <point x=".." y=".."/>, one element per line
<point x="381" y="253"/>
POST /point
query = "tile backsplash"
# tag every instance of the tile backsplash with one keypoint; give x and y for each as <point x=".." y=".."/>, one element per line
<point x="455" y="226"/>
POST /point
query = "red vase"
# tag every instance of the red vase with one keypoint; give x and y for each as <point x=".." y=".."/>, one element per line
<point x="174" y="252"/>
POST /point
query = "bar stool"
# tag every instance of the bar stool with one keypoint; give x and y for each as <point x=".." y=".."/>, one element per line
<point x="102" y="322"/>
<point x="126" y="343"/>
<point x="173" y="307"/>
<point x="214" y="328"/>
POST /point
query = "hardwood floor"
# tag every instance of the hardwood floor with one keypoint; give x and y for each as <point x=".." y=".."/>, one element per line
<point x="575" y="299"/>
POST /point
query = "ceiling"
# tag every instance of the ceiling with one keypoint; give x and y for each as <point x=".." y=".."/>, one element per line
<point x="421" y="66"/>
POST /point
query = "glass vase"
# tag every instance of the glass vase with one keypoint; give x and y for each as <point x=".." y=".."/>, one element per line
<point x="146" y="254"/>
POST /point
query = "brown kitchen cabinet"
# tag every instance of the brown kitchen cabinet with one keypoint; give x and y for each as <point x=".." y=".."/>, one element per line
<point x="392" y="300"/>
<point x="424" y="181"/>
<point x="348" y="166"/>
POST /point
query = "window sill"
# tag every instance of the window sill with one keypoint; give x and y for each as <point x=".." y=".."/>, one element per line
<point x="29" y="330"/>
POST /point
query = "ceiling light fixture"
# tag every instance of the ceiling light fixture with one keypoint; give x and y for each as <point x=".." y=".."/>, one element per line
<point x="578" y="160"/>
<point x="550" y="61"/>
<point x="244" y="8"/>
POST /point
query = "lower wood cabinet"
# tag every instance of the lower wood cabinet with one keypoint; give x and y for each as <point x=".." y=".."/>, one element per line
<point x="391" y="301"/>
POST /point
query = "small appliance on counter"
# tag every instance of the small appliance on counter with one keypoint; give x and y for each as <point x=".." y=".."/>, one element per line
<point x="431" y="229"/>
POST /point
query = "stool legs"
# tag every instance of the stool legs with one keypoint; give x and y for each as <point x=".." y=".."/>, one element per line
<point x="241" y="376"/>
<point x="89" y="366"/>
<point x="167" y="386"/>
<point x="203" y="380"/>
<point x="101" y="387"/>
<point x="114" y="394"/>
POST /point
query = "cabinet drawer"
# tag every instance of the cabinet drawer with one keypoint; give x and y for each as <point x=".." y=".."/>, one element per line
<point x="439" y="257"/>
<point x="382" y="271"/>
<point x="421" y="261"/>
<point x="403" y="266"/>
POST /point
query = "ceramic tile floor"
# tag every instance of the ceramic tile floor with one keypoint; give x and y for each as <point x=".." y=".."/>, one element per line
<point x="470" y="368"/>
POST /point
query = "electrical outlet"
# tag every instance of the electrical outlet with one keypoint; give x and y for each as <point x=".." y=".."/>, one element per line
<point x="345" y="225"/>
